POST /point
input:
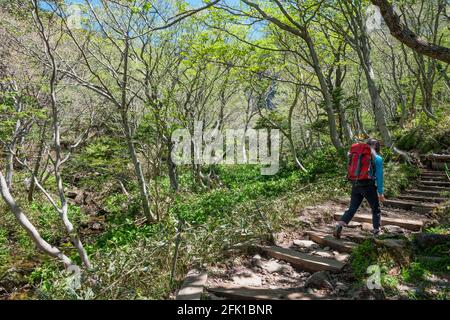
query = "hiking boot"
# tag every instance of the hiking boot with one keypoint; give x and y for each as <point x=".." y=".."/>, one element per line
<point x="337" y="231"/>
<point x="376" y="233"/>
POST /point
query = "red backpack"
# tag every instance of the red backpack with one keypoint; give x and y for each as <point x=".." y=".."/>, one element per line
<point x="359" y="162"/>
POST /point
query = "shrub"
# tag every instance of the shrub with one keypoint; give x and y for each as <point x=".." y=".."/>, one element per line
<point x="415" y="272"/>
<point x="4" y="249"/>
<point x="363" y="256"/>
<point x="428" y="137"/>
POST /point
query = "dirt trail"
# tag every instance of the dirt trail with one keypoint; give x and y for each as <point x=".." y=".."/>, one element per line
<point x="313" y="264"/>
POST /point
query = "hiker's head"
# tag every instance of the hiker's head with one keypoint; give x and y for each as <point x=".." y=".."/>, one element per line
<point x="374" y="144"/>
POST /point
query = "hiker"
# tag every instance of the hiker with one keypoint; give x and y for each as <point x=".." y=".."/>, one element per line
<point x="365" y="172"/>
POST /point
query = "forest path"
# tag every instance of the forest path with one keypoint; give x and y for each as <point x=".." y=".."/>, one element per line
<point x="314" y="264"/>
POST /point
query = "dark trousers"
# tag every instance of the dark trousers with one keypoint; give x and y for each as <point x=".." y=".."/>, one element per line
<point x="358" y="194"/>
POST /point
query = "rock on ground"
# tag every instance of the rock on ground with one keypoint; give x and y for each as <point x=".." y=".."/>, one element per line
<point x="427" y="240"/>
<point x="271" y="266"/>
<point x="323" y="254"/>
<point x="308" y="244"/>
<point x="247" y="279"/>
<point x="319" y="280"/>
<point x="367" y="226"/>
<point x="393" y="229"/>
<point x="354" y="224"/>
<point x="365" y="293"/>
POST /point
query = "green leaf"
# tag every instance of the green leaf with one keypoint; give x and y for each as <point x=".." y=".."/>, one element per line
<point x="147" y="6"/>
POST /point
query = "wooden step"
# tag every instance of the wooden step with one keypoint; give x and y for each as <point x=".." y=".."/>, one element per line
<point x="356" y="237"/>
<point x="303" y="261"/>
<point x="192" y="288"/>
<point x="421" y="198"/>
<point x="410" y="205"/>
<point x="434" y="177"/>
<point x="414" y="225"/>
<point x="246" y="293"/>
<point x="350" y="234"/>
<point x="435" y="183"/>
<point x="433" y="172"/>
<point x="438" y="157"/>
<point x="433" y="188"/>
<point x="324" y="239"/>
<point x="424" y="193"/>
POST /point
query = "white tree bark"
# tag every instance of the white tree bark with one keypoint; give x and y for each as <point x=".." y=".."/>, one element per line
<point x="302" y="31"/>
<point x="59" y="160"/>
<point x="359" y="39"/>
<point x="29" y="227"/>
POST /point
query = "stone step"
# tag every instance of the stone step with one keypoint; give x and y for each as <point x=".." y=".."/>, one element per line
<point x="424" y="193"/>
<point x="435" y="183"/>
<point x="303" y="261"/>
<point x="420" y="198"/>
<point x="324" y="239"/>
<point x="433" y="188"/>
<point x="247" y="293"/>
<point x="192" y="288"/>
<point x="415" y="206"/>
<point x="414" y="225"/>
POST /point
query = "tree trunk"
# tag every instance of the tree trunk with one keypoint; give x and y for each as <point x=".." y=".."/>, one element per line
<point x="380" y="116"/>
<point x="359" y="124"/>
<point x="428" y="81"/>
<point x="172" y="168"/>
<point x="143" y="190"/>
<point x="401" y="32"/>
<point x="348" y="133"/>
<point x="294" y="154"/>
<point x="29" y="228"/>
<point x="145" y="198"/>
<point x="10" y="167"/>
<point x="326" y="95"/>
<point x="63" y="210"/>
<point x="345" y="126"/>
<point x="37" y="163"/>
<point x="428" y="100"/>
<point x="10" y="156"/>
<point x="377" y="105"/>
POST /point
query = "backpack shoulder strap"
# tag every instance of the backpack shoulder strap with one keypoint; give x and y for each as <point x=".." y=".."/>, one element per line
<point x="373" y="165"/>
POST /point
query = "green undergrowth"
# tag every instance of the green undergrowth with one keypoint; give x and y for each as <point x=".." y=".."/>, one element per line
<point x="4" y="250"/>
<point x="423" y="275"/>
<point x="134" y="260"/>
<point x="398" y="177"/>
<point x="426" y="136"/>
<point x="428" y="273"/>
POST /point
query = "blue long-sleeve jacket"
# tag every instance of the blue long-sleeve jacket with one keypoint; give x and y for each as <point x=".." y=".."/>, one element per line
<point x="378" y="174"/>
